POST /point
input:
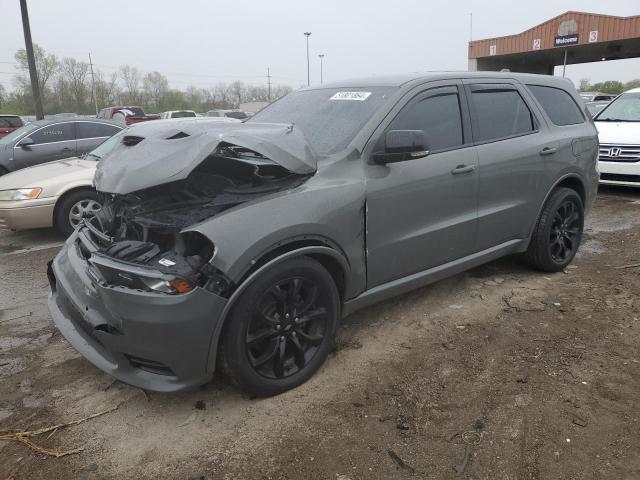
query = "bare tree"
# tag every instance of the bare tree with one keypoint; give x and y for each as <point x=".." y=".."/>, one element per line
<point x="131" y="78"/>
<point x="46" y="65"/>
<point x="75" y="74"/>
<point x="155" y="86"/>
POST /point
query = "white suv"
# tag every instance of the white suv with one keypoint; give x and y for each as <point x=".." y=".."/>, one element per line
<point x="619" y="132"/>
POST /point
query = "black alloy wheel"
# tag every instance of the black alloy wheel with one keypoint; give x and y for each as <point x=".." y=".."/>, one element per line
<point x="557" y="234"/>
<point x="288" y="326"/>
<point x="565" y="232"/>
<point x="281" y="328"/>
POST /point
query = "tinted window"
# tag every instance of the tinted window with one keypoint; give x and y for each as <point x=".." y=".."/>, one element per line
<point x="182" y="114"/>
<point x="94" y="129"/>
<point x="10" y="122"/>
<point x="438" y="116"/>
<point x="500" y="114"/>
<point x="58" y="132"/>
<point x="558" y="104"/>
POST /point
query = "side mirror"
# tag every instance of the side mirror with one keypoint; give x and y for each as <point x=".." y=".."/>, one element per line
<point x="402" y="145"/>
<point x="26" y="142"/>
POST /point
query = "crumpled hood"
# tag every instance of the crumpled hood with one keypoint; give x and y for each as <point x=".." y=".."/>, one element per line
<point x="166" y="154"/>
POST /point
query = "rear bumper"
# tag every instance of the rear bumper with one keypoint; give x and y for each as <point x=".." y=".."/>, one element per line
<point x="18" y="216"/>
<point x="153" y="341"/>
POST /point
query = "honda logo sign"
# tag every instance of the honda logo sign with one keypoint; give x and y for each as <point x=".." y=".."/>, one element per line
<point x="615" y="152"/>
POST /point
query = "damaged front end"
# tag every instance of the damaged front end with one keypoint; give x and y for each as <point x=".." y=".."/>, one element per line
<point x="140" y="237"/>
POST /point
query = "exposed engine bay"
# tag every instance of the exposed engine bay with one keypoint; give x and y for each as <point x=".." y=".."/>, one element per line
<point x="143" y="228"/>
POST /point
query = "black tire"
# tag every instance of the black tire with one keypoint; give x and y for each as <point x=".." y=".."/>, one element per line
<point x="557" y="235"/>
<point x="300" y="283"/>
<point x="3" y="171"/>
<point x="62" y="221"/>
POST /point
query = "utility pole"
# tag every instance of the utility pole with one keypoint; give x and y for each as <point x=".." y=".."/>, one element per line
<point x="471" y="26"/>
<point x="269" y="84"/>
<point x="93" y="86"/>
<point x="321" y="58"/>
<point x="564" y="64"/>
<point x="308" y="34"/>
<point x="31" y="59"/>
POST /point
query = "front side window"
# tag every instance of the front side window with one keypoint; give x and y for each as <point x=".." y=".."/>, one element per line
<point x="499" y="113"/>
<point x="625" y="108"/>
<point x="95" y="130"/>
<point x="58" y="132"/>
<point x="558" y="104"/>
<point x="438" y="115"/>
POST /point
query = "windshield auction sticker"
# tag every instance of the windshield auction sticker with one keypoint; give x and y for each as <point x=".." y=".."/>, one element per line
<point x="358" y="96"/>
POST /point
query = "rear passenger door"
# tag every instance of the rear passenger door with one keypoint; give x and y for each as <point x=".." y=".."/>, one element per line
<point x="52" y="142"/>
<point x="509" y="144"/>
<point x="91" y="134"/>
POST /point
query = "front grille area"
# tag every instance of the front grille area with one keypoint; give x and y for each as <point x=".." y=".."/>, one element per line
<point x="619" y="153"/>
<point x="618" y="177"/>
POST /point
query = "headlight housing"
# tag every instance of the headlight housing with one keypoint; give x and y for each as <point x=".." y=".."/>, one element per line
<point x="20" y="194"/>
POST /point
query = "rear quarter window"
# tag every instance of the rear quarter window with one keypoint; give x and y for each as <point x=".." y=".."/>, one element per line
<point x="558" y="104"/>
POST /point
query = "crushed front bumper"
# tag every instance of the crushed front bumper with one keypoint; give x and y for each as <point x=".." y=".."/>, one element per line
<point x="151" y="340"/>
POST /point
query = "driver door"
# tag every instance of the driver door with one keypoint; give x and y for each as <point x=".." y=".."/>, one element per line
<point x="423" y="212"/>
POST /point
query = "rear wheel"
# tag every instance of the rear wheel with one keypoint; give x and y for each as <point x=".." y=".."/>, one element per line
<point x="73" y="207"/>
<point x="282" y="328"/>
<point x="558" y="233"/>
<point x="3" y="171"/>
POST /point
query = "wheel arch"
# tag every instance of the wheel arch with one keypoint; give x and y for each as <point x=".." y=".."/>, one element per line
<point x="330" y="258"/>
<point x="63" y="195"/>
<point x="569" y="180"/>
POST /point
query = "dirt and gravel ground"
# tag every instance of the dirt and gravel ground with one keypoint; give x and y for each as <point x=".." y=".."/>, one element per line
<point x="532" y="376"/>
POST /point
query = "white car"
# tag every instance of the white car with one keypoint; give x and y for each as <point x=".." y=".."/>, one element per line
<point x="178" y="114"/>
<point x="619" y="132"/>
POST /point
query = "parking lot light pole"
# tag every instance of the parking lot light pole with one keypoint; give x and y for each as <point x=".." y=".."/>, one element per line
<point x="31" y="60"/>
<point x="321" y="58"/>
<point x="308" y="34"/>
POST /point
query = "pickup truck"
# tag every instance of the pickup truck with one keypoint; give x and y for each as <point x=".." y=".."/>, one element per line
<point x="125" y="115"/>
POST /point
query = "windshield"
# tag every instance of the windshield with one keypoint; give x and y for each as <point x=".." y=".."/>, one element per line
<point x="105" y="148"/>
<point x="626" y="108"/>
<point x="13" y="136"/>
<point x="329" y="118"/>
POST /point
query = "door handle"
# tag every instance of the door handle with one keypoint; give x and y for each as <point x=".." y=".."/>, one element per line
<point x="548" y="150"/>
<point x="66" y="149"/>
<point x="463" y="169"/>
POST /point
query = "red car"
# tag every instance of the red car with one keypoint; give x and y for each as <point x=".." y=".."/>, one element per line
<point x="9" y="123"/>
<point x="126" y="115"/>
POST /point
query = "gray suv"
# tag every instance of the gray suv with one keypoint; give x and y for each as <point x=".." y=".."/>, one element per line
<point x="48" y="140"/>
<point x="243" y="245"/>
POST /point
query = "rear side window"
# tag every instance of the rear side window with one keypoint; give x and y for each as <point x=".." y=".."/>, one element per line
<point x="58" y="132"/>
<point x="95" y="130"/>
<point x="438" y="116"/>
<point x="558" y="104"/>
<point x="499" y="113"/>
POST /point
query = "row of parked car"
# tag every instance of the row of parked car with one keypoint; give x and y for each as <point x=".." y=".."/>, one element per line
<point x="59" y="192"/>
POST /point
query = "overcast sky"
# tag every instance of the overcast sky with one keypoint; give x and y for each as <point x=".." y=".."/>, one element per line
<point x="204" y="42"/>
